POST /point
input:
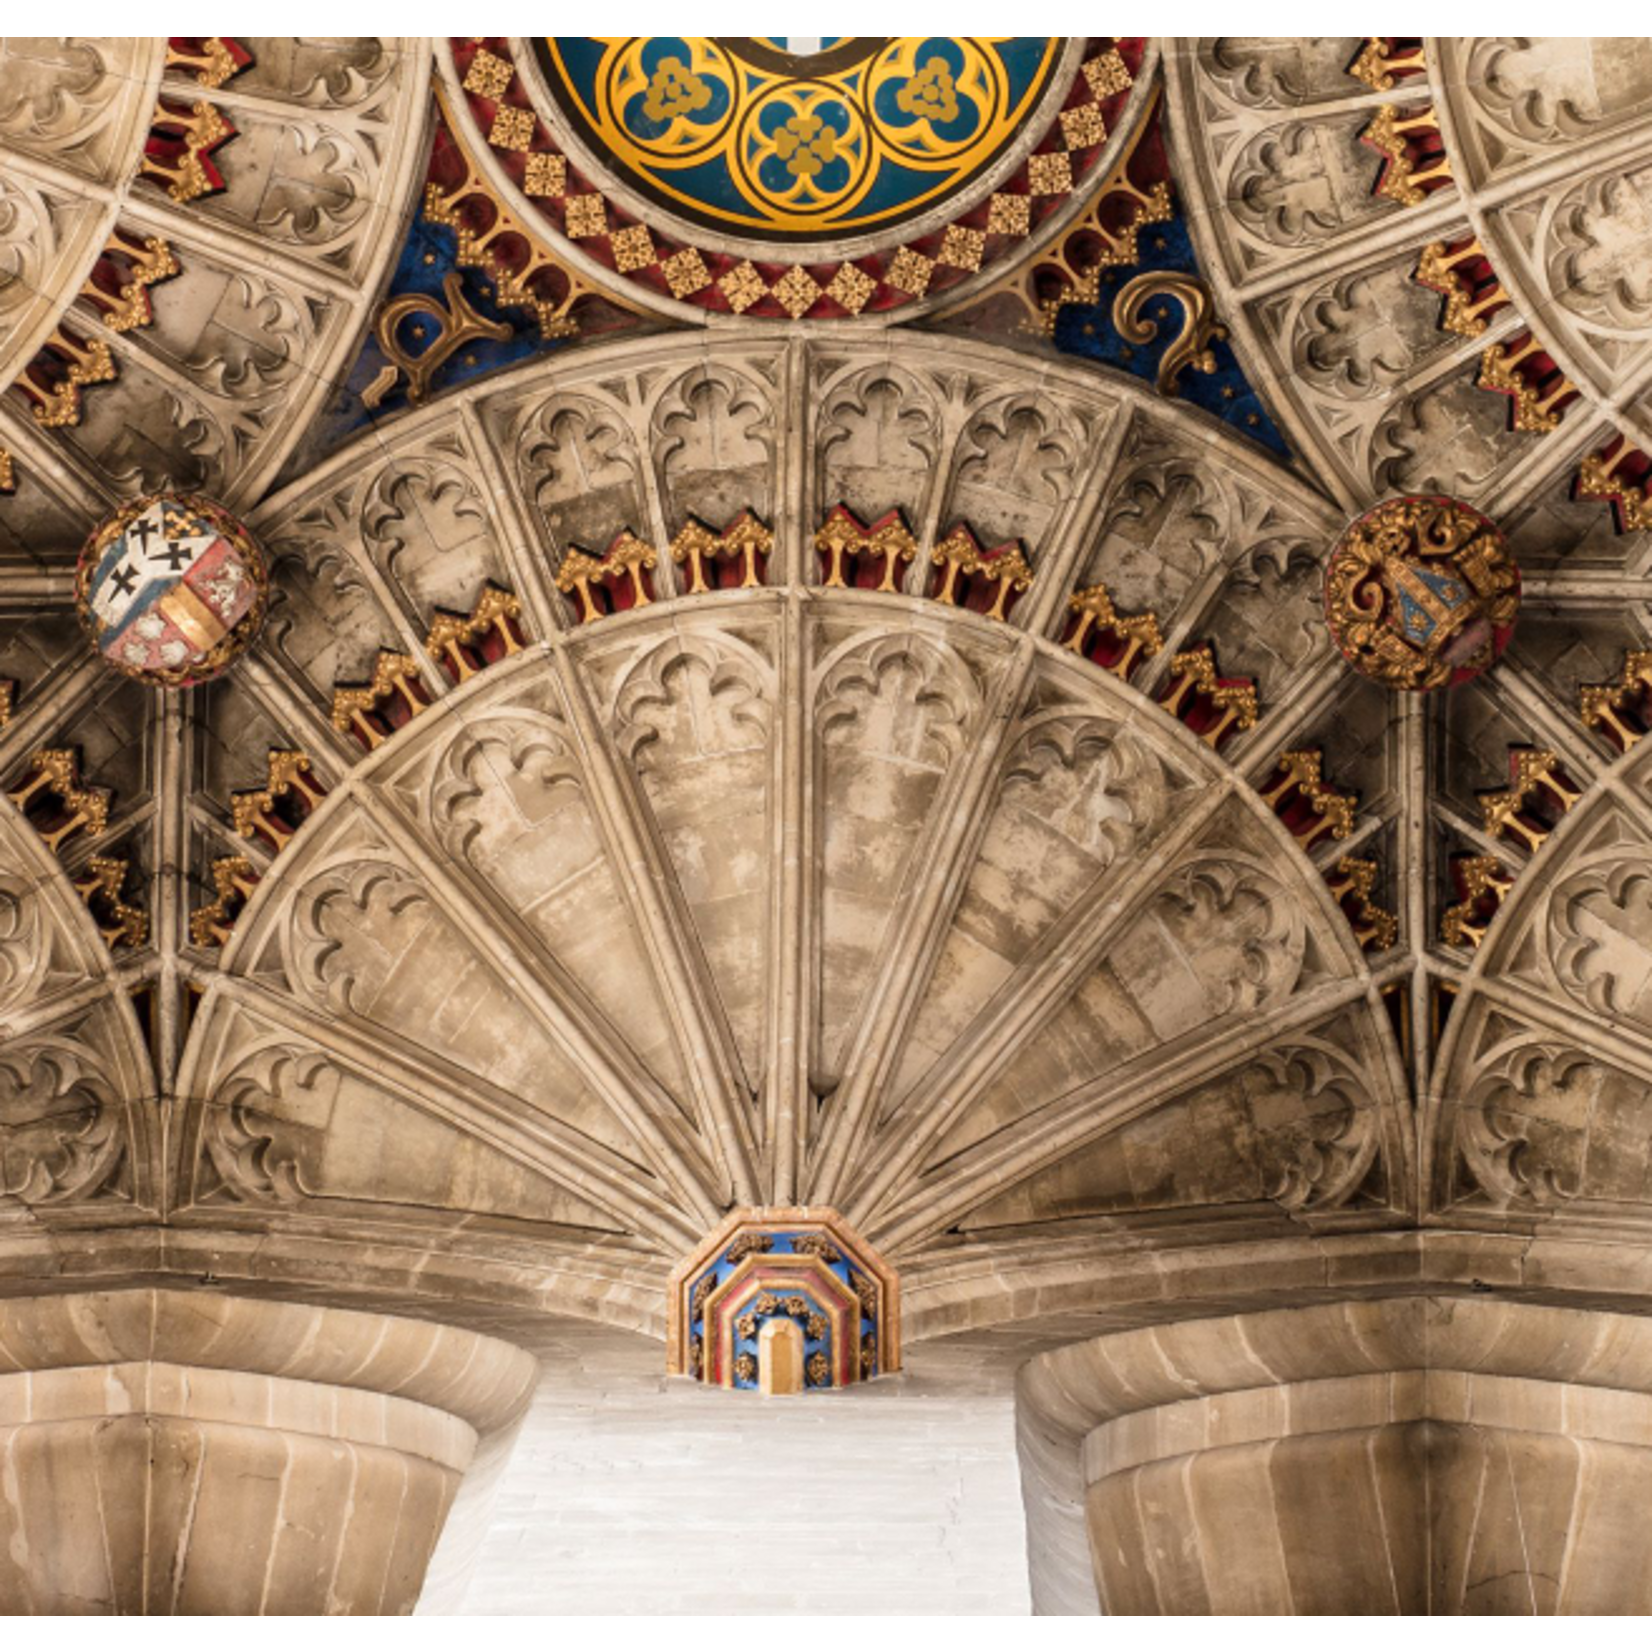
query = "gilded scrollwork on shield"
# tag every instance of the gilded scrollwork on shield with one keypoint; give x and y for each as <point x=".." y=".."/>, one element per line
<point x="1421" y="592"/>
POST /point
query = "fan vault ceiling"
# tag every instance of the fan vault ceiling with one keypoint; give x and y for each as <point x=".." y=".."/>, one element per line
<point x="842" y="716"/>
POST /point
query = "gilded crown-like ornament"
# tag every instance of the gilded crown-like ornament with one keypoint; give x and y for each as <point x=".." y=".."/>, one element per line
<point x="1421" y="593"/>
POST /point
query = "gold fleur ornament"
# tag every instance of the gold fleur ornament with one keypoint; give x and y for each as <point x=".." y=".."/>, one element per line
<point x="806" y="144"/>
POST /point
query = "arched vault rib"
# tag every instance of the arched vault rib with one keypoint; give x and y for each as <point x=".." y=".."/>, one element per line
<point x="916" y="1129"/>
<point x="1532" y="1118"/>
<point x="1067" y="952"/>
<point x="789" y="839"/>
<point x="697" y="1020"/>
<point x="919" y="927"/>
<point x="1280" y="249"/>
<point x="585" y="864"/>
<point x="523" y="972"/>
<point x="79" y="1144"/>
<point x="927" y="1206"/>
<point x="470" y="1104"/>
<point x="560" y="1007"/>
<point x="1487" y="195"/>
<point x="268" y="267"/>
<point x="670" y="1205"/>
<point x="72" y="968"/>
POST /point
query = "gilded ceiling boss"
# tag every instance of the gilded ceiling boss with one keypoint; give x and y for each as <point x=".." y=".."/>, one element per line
<point x="1421" y="592"/>
<point x="907" y="776"/>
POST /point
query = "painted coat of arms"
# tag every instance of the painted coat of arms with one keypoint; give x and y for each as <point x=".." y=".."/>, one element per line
<point x="1421" y="593"/>
<point x="171" y="589"/>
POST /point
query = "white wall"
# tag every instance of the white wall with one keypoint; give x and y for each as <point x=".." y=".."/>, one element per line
<point x="629" y="1493"/>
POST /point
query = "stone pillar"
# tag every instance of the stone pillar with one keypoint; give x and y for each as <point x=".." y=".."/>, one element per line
<point x="1415" y="1455"/>
<point x="174" y="1451"/>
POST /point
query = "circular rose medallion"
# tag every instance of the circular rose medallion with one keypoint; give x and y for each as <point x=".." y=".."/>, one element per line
<point x="171" y="589"/>
<point x="1421" y="593"/>
<point x="770" y="177"/>
<point x="781" y="137"/>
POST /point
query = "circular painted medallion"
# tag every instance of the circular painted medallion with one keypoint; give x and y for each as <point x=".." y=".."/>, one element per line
<point x="1421" y="593"/>
<point x="773" y="177"/>
<point x="782" y="137"/>
<point x="171" y="589"/>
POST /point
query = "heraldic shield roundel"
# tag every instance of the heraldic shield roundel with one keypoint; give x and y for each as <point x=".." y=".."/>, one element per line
<point x="171" y="589"/>
<point x="1421" y="593"/>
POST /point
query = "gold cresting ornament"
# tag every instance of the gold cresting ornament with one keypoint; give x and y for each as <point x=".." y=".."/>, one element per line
<point x="1421" y="593"/>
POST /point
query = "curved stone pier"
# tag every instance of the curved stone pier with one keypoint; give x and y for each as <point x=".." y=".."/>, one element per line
<point x="1415" y="1455"/>
<point x="167" y="1451"/>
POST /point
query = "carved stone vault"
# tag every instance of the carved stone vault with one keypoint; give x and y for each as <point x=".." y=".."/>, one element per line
<point x="867" y="759"/>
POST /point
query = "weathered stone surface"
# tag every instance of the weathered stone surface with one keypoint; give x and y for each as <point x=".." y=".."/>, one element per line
<point x="554" y="941"/>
